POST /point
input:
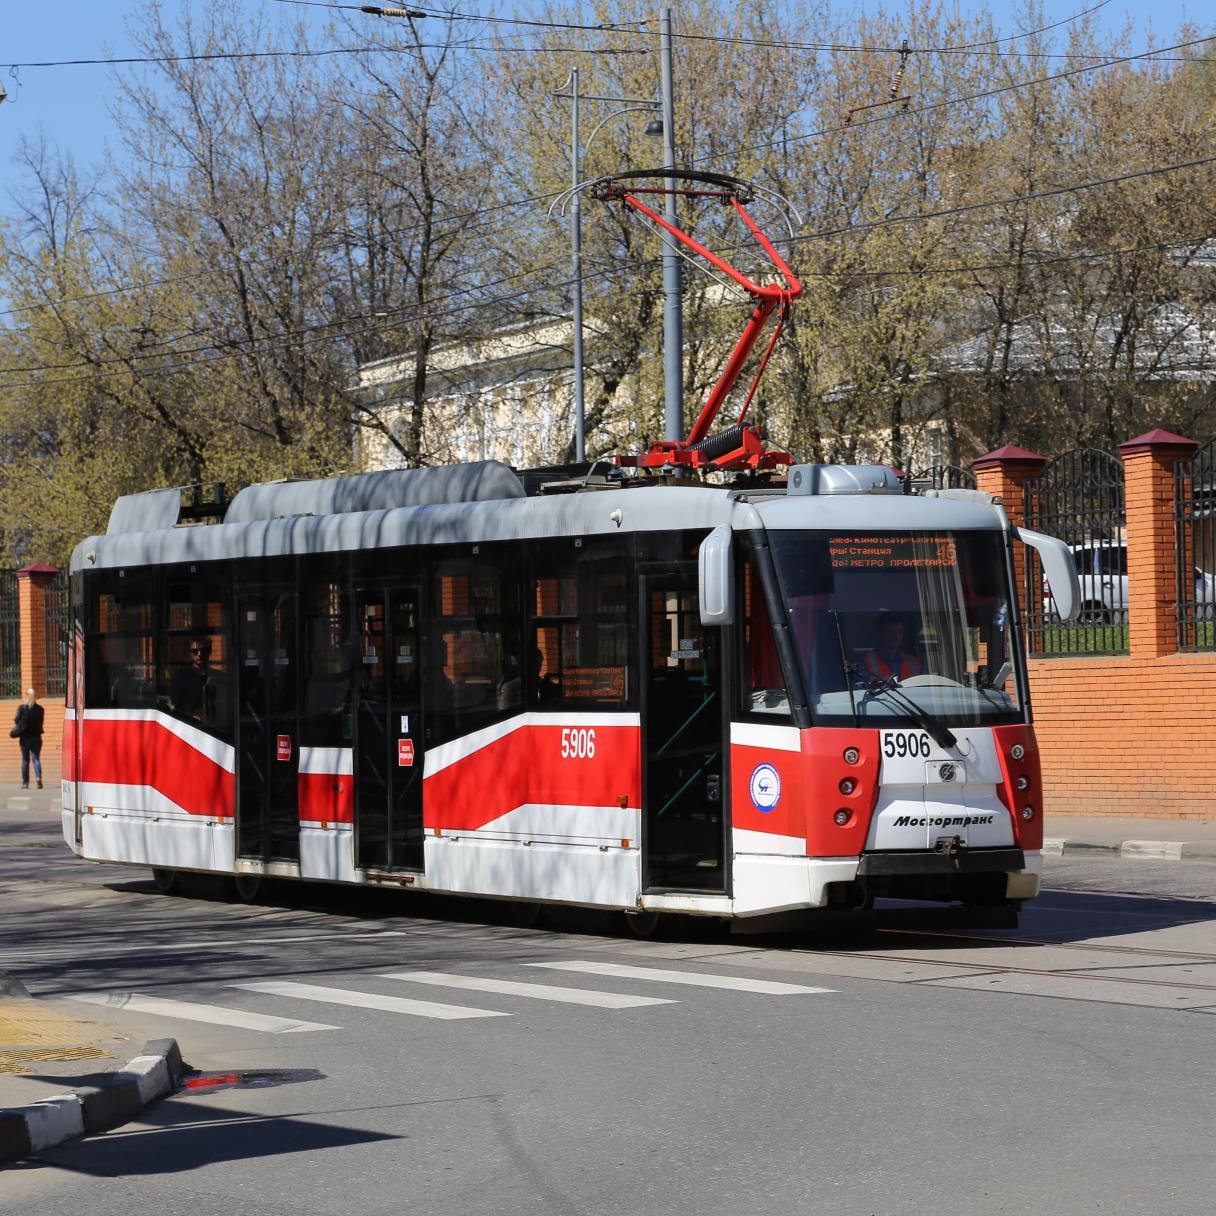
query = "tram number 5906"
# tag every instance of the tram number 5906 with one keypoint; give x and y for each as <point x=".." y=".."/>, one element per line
<point x="577" y="743"/>
<point x="906" y="743"/>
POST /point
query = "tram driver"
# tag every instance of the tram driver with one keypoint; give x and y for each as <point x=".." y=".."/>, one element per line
<point x="888" y="660"/>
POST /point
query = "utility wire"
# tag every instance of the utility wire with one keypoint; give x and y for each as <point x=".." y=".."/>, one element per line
<point x="822" y="132"/>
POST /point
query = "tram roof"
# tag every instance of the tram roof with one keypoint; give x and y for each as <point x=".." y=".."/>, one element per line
<point x="601" y="512"/>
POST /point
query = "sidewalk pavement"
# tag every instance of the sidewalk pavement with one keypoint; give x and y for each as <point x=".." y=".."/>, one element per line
<point x="64" y="1074"/>
<point x="1140" y="838"/>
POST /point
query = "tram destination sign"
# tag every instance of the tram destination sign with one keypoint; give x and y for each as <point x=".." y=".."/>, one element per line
<point x="906" y="552"/>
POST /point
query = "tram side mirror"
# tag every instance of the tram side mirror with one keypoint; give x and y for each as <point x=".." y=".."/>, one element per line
<point x="1059" y="569"/>
<point x="716" y="578"/>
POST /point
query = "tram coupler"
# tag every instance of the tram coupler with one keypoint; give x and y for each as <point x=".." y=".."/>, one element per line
<point x="951" y="846"/>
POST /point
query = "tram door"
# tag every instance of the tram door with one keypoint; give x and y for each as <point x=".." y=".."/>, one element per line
<point x="268" y="820"/>
<point x="684" y="771"/>
<point x="388" y="730"/>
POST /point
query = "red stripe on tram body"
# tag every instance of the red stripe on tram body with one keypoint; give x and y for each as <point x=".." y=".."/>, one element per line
<point x="527" y="766"/>
<point x="326" y="797"/>
<point x="67" y="762"/>
<point x="138" y="752"/>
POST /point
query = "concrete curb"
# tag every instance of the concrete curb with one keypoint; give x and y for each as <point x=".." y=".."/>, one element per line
<point x="94" y="1108"/>
<point x="1139" y="850"/>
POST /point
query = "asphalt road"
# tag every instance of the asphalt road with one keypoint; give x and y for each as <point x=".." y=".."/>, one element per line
<point x="911" y="1062"/>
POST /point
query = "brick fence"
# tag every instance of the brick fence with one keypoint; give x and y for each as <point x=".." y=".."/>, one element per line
<point x="1128" y="734"/>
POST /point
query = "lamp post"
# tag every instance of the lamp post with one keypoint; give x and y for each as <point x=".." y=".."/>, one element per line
<point x="577" y="150"/>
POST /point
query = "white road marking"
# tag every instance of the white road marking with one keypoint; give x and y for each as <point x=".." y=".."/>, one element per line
<point x="540" y="992"/>
<point x="194" y="1012"/>
<point x="367" y="1000"/>
<point x="662" y="976"/>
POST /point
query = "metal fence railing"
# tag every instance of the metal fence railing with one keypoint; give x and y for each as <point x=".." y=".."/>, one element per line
<point x="1079" y="498"/>
<point x="56" y="625"/>
<point x="1195" y="548"/>
<point x="10" y="636"/>
<point x="942" y="477"/>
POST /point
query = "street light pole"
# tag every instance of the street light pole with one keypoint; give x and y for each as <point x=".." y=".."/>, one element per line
<point x="629" y="105"/>
<point x="576" y="267"/>
<point x="673" y="319"/>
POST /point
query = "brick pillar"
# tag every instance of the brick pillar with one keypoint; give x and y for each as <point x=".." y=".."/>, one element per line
<point x="31" y="608"/>
<point x="1003" y="473"/>
<point x="1152" y="571"/>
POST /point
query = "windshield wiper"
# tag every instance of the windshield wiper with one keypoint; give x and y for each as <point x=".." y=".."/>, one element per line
<point x="938" y="730"/>
<point x="851" y="674"/>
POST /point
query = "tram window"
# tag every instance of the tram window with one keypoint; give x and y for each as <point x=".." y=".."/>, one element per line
<point x="328" y="657"/>
<point x="579" y="604"/>
<point x="764" y="690"/>
<point x="120" y="663"/>
<point x="195" y="677"/>
<point x="474" y="660"/>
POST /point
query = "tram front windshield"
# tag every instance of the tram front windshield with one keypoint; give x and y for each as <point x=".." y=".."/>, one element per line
<point x="883" y="619"/>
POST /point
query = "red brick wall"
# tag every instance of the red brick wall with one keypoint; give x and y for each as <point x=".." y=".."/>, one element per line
<point x="1120" y="736"/>
<point x="52" y="741"/>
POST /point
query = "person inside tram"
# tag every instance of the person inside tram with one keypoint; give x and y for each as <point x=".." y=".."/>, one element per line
<point x="546" y="689"/>
<point x="191" y="693"/>
<point x="888" y="660"/>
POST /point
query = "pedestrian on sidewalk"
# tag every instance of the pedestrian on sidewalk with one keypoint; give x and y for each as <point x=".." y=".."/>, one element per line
<point x="27" y="730"/>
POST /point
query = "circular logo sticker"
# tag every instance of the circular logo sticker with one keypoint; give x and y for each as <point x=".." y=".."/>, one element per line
<point x="765" y="787"/>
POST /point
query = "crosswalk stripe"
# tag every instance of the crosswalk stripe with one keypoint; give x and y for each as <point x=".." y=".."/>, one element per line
<point x="662" y="976"/>
<point x="191" y="1011"/>
<point x="367" y="1000"/>
<point x="540" y="992"/>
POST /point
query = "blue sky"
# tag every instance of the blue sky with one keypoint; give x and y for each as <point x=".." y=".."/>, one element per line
<point x="71" y="103"/>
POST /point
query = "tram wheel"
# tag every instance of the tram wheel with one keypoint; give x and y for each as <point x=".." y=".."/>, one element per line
<point x="525" y="915"/>
<point x="643" y="923"/>
<point x="165" y="881"/>
<point x="247" y="886"/>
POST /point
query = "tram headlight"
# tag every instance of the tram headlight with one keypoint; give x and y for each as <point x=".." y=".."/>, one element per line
<point x="1028" y="813"/>
<point x="847" y="785"/>
<point x="1017" y="751"/>
<point x="851" y="755"/>
<point x="1023" y="782"/>
<point x="842" y="817"/>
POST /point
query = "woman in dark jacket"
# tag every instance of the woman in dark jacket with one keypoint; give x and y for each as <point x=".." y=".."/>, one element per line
<point x="27" y="730"/>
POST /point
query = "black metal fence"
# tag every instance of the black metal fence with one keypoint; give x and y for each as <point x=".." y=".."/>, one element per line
<point x="10" y="636"/>
<point x="56" y="626"/>
<point x="941" y="477"/>
<point x="1195" y="548"/>
<point x="1079" y="498"/>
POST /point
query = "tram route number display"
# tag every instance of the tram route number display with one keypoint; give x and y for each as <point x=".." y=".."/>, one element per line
<point x="578" y="743"/>
<point x="891" y="552"/>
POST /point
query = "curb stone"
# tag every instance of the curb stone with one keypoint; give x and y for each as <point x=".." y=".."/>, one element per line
<point x="1136" y="850"/>
<point x="154" y="1073"/>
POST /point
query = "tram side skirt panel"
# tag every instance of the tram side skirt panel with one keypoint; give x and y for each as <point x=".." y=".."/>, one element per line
<point x="523" y="809"/>
<point x="325" y="795"/>
<point x="157" y="791"/>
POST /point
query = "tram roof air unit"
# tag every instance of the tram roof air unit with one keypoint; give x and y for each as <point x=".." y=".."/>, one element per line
<point x="822" y="479"/>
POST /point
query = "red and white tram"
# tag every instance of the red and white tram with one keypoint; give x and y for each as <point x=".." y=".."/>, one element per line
<point x="620" y="692"/>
